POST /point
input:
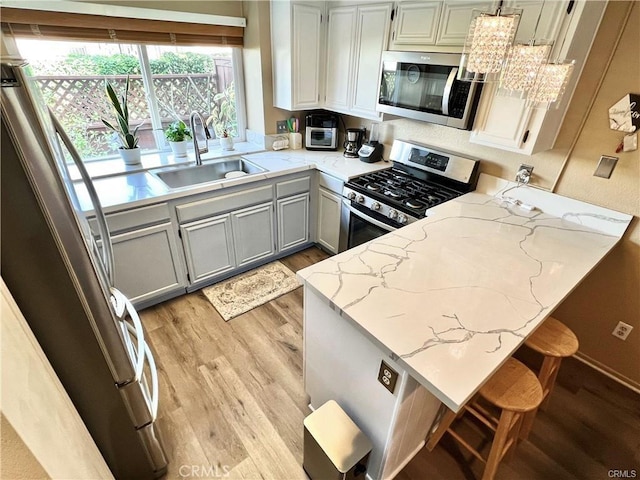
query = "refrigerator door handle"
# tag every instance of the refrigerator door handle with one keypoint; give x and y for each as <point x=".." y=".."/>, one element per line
<point x="107" y="248"/>
<point x="123" y="306"/>
<point x="155" y="391"/>
<point x="152" y="397"/>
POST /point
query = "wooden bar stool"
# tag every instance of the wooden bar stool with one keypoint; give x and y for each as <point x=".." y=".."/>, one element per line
<point x="555" y="341"/>
<point x="515" y="390"/>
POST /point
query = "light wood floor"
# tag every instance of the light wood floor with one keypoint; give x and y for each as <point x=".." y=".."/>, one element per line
<point x="232" y="402"/>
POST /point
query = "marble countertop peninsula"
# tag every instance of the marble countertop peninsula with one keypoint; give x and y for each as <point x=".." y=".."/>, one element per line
<point x="452" y="296"/>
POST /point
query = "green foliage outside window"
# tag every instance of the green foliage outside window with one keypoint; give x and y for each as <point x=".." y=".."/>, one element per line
<point x="123" y="64"/>
<point x="189" y="62"/>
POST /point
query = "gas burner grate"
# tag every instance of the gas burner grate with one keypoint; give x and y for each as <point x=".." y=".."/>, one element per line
<point x="400" y="190"/>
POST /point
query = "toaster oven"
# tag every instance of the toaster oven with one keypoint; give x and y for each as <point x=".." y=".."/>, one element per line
<point x="321" y="132"/>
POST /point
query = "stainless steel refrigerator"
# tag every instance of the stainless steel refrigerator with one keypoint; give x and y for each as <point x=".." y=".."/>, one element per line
<point x="62" y="278"/>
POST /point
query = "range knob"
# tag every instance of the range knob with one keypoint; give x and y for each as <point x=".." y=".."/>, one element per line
<point x="360" y="199"/>
<point x="351" y="195"/>
<point x="392" y="214"/>
<point x="402" y="218"/>
<point x="375" y="206"/>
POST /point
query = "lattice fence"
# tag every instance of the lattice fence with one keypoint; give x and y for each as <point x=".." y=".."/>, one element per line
<point x="85" y="96"/>
<point x="80" y="102"/>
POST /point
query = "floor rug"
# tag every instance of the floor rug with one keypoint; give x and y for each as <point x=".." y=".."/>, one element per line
<point x="251" y="289"/>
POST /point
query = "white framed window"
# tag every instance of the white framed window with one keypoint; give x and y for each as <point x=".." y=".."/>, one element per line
<point x="167" y="83"/>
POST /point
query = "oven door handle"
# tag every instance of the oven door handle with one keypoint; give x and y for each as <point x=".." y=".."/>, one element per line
<point x="447" y="90"/>
<point x="364" y="216"/>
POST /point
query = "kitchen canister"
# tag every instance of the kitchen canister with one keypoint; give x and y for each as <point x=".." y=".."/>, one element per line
<point x="295" y="140"/>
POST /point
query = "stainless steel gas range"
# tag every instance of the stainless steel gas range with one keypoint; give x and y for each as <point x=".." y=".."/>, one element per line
<point x="421" y="177"/>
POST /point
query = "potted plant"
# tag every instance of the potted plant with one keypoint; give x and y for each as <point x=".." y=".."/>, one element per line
<point x="226" y="142"/>
<point x="223" y="117"/>
<point x="178" y="133"/>
<point x="129" y="150"/>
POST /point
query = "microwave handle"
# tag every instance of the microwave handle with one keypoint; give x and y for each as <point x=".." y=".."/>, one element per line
<point x="447" y="90"/>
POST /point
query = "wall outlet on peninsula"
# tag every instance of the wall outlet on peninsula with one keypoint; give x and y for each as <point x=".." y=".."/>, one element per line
<point x="387" y="376"/>
<point x="622" y="330"/>
<point x="524" y="173"/>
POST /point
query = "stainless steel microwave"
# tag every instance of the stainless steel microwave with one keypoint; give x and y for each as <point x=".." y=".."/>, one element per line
<point x="423" y="86"/>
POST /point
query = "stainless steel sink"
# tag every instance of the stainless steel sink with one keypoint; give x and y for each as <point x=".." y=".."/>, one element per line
<point x="209" y="172"/>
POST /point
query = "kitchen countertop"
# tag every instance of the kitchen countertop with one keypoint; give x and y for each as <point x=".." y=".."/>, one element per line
<point x="332" y="163"/>
<point x="452" y="296"/>
<point x="141" y="187"/>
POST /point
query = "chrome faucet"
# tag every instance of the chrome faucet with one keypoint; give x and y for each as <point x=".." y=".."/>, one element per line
<point x="196" y="147"/>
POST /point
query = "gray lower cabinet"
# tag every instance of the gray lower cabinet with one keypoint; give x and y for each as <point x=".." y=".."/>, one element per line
<point x="208" y="247"/>
<point x="253" y="233"/>
<point x="329" y="207"/>
<point x="293" y="221"/>
<point x="147" y="264"/>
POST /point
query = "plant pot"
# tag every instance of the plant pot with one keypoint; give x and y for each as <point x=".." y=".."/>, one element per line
<point x="226" y="143"/>
<point x="179" y="149"/>
<point x="131" y="156"/>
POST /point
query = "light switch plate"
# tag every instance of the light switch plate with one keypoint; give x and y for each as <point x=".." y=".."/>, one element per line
<point x="281" y="126"/>
<point x="605" y="166"/>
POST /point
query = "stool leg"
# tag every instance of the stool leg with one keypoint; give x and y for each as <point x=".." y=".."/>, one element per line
<point x="512" y="438"/>
<point x="497" y="447"/>
<point x="445" y="423"/>
<point x="527" y="424"/>
<point x="547" y="378"/>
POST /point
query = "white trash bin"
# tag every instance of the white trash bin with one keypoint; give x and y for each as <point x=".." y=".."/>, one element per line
<point x="334" y="447"/>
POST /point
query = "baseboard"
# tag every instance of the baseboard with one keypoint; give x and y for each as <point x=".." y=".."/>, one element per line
<point x="609" y="372"/>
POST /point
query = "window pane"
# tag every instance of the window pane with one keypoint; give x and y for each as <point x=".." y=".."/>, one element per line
<point x="72" y="75"/>
<point x="188" y="79"/>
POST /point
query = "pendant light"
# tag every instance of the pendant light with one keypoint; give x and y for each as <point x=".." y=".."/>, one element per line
<point x="550" y="84"/>
<point x="489" y="38"/>
<point x="552" y="79"/>
<point x="522" y="67"/>
<point x="523" y="63"/>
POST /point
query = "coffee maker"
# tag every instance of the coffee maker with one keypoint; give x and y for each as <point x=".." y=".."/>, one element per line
<point x="354" y="139"/>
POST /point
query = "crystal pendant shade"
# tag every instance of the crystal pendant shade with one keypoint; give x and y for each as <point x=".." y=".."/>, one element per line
<point x="550" y="83"/>
<point x="489" y="38"/>
<point x="522" y="66"/>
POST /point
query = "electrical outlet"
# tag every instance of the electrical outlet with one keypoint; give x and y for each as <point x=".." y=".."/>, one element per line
<point x="281" y="126"/>
<point x="524" y="173"/>
<point x="387" y="376"/>
<point x="622" y="330"/>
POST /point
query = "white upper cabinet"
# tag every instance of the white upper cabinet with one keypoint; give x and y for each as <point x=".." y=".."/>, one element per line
<point x="332" y="64"/>
<point x="540" y="20"/>
<point x="506" y="122"/>
<point x="340" y="52"/>
<point x="356" y="37"/>
<point x="371" y="40"/>
<point x="416" y="23"/>
<point x="434" y="26"/>
<point x="297" y="52"/>
<point x="455" y="20"/>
